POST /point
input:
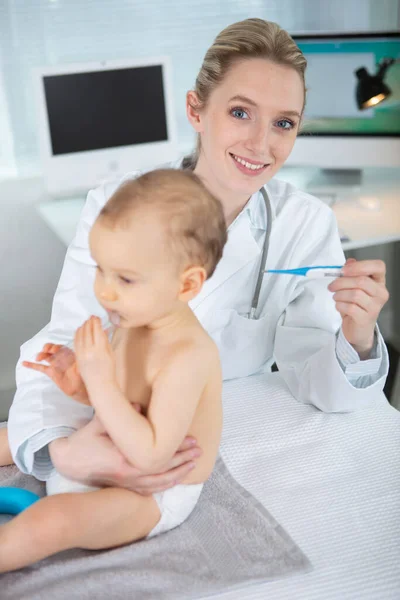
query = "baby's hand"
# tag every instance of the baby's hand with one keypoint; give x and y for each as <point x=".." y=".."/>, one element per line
<point x="62" y="369"/>
<point x="94" y="353"/>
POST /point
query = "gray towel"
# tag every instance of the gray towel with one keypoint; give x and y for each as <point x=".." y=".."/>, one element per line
<point x="229" y="541"/>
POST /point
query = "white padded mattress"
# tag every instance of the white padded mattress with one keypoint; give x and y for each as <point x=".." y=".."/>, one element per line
<point x="331" y="480"/>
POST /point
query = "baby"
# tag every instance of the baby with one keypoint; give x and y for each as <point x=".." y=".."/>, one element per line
<point x="155" y="242"/>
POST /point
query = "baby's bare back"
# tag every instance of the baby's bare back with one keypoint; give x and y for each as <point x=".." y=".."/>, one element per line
<point x="141" y="356"/>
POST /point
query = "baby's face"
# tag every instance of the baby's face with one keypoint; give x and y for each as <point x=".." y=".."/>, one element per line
<point x="137" y="278"/>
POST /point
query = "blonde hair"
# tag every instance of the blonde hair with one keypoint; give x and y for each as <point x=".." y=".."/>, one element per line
<point x="252" y="38"/>
<point x="194" y="218"/>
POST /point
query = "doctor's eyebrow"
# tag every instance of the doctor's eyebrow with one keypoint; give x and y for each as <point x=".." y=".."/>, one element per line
<point x="246" y="100"/>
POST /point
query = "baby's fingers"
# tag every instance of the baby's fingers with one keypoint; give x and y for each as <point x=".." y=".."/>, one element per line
<point x="45" y="351"/>
<point x="78" y="340"/>
<point x="48" y="350"/>
<point x="86" y="334"/>
<point x="43" y="356"/>
<point x="35" y="367"/>
<point x="99" y="335"/>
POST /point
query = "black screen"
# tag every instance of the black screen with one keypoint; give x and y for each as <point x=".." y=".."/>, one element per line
<point x="105" y="109"/>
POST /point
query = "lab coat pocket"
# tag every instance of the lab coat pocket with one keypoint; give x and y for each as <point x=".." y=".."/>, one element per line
<point x="245" y="345"/>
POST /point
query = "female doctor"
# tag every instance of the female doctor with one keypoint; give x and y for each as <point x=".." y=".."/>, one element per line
<point x="246" y="108"/>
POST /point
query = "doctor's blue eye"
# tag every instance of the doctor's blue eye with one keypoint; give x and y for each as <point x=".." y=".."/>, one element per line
<point x="239" y="113"/>
<point x="285" y="124"/>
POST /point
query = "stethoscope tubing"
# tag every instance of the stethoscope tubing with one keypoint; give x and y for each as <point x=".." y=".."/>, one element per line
<point x="257" y="289"/>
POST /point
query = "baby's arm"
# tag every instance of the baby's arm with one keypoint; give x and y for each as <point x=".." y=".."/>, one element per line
<point x="147" y="442"/>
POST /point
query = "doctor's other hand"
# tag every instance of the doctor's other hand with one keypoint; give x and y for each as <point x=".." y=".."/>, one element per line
<point x="359" y="296"/>
<point x="91" y="457"/>
<point x="62" y="369"/>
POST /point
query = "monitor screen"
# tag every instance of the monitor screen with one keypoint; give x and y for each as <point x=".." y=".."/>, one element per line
<point x="331" y="108"/>
<point x="105" y="109"/>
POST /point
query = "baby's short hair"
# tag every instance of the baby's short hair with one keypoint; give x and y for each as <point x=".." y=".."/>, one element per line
<point x="194" y="219"/>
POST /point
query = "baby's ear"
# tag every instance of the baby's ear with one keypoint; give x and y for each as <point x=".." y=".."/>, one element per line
<point x="192" y="280"/>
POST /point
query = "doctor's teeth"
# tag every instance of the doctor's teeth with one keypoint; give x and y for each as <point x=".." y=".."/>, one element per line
<point x="247" y="164"/>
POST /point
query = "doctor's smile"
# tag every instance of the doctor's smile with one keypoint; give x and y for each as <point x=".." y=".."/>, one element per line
<point x="249" y="167"/>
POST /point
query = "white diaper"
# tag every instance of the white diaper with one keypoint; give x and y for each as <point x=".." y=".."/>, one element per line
<point x="175" y="504"/>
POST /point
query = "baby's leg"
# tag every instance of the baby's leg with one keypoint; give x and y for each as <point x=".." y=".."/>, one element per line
<point x="5" y="454"/>
<point x="94" y="520"/>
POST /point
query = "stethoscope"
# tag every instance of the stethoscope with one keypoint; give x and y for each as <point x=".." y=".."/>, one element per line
<point x="331" y="271"/>
<point x="256" y="295"/>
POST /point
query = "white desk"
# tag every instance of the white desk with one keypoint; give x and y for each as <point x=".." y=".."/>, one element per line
<point x="366" y="227"/>
<point x="368" y="215"/>
<point x="62" y="216"/>
<point x="361" y="226"/>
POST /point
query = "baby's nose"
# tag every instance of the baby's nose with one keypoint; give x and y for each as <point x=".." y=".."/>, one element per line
<point x="108" y="294"/>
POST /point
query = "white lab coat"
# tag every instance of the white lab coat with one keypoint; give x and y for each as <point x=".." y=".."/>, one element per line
<point x="296" y="321"/>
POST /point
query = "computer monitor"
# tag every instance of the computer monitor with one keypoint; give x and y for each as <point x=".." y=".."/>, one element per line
<point x="100" y="121"/>
<point x="336" y="133"/>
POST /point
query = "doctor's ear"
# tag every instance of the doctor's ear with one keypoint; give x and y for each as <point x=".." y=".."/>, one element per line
<point x="192" y="280"/>
<point x="193" y="111"/>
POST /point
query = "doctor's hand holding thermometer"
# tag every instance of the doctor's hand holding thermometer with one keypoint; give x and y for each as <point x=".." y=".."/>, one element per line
<point x="359" y="293"/>
<point x="246" y="109"/>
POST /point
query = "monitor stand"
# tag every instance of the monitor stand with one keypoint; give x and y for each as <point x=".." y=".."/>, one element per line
<point x="336" y="180"/>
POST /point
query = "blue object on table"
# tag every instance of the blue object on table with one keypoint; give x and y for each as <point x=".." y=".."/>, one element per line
<point x="14" y="500"/>
<point x="328" y="270"/>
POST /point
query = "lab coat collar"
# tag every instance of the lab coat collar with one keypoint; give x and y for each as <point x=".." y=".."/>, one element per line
<point x="240" y="249"/>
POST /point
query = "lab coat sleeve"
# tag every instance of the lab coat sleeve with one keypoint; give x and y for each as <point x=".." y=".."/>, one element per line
<point x="362" y="373"/>
<point x="308" y="334"/>
<point x="40" y="411"/>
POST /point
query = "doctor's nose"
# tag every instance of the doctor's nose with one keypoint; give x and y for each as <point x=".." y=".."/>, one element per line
<point x="258" y="141"/>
